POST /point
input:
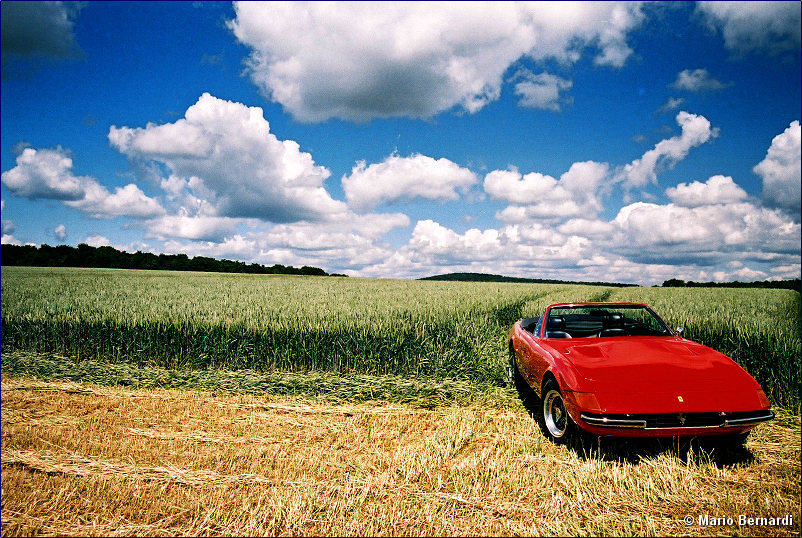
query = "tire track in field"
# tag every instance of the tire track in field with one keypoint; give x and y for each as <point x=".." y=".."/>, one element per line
<point x="71" y="464"/>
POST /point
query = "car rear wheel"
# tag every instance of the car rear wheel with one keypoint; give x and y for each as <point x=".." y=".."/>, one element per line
<point x="557" y="423"/>
<point x="528" y="396"/>
<point x="512" y="368"/>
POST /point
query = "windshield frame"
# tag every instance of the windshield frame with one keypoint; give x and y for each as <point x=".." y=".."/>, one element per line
<point x="610" y="308"/>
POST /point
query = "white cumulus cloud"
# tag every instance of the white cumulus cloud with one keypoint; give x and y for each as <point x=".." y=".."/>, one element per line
<point x="653" y="232"/>
<point x="349" y="242"/>
<point x="199" y="227"/>
<point x="672" y="103"/>
<point x="772" y="27"/>
<point x="9" y="239"/>
<point x="696" y="81"/>
<point x="436" y="242"/>
<point x="60" y="232"/>
<point x="711" y="230"/>
<point x="716" y="190"/>
<point x="47" y="174"/>
<point x="780" y="171"/>
<point x="536" y="195"/>
<point x="236" y="247"/>
<point x="696" y="130"/>
<point x="97" y="240"/>
<point x="7" y="224"/>
<point x="224" y="154"/>
<point x="405" y="178"/>
<point x="127" y="201"/>
<point x="362" y="60"/>
<point x="541" y="90"/>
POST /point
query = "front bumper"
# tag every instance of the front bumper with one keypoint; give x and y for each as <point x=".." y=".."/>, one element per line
<point x="673" y="424"/>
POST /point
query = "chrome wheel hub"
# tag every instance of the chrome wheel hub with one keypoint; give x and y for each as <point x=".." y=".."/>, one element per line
<point x="554" y="414"/>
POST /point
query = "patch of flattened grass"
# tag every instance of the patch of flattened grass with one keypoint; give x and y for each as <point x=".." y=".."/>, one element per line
<point x="324" y="386"/>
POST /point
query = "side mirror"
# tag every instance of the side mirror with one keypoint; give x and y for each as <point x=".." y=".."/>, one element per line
<point x="678" y="332"/>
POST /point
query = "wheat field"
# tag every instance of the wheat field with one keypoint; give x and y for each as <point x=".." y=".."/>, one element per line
<point x="443" y="330"/>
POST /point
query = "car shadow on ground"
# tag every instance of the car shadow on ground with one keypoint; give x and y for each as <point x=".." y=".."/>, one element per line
<point x="722" y="452"/>
<point x="694" y="450"/>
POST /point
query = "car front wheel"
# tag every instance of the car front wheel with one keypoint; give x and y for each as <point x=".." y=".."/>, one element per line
<point x="557" y="423"/>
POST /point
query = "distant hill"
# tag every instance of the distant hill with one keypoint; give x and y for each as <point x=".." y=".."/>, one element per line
<point x="484" y="277"/>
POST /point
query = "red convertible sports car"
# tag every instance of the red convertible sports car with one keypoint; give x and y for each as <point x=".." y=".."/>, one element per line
<point x="617" y="369"/>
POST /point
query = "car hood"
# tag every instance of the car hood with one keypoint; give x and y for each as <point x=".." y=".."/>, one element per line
<point x="659" y="375"/>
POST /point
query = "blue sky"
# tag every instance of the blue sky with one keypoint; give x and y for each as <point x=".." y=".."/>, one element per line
<point x="621" y="142"/>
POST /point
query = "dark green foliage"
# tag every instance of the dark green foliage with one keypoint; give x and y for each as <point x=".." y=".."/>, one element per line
<point x="768" y="284"/>
<point x="108" y="257"/>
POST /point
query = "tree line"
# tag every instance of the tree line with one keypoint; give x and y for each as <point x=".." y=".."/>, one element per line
<point x="108" y="257"/>
<point x="793" y="284"/>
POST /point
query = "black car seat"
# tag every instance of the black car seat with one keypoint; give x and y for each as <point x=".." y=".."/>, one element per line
<point x="613" y="325"/>
<point x="555" y="327"/>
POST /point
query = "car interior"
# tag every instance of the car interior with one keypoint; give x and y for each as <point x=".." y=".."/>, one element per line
<point x="597" y="323"/>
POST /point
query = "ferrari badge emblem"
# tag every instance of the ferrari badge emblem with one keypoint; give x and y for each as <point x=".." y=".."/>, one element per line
<point x="679" y="399"/>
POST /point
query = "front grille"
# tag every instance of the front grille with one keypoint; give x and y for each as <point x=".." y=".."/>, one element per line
<point x="684" y="420"/>
<point x="678" y="420"/>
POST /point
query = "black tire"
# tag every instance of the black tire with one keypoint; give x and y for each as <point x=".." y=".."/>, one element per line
<point x="512" y="369"/>
<point x="526" y="394"/>
<point x="557" y="423"/>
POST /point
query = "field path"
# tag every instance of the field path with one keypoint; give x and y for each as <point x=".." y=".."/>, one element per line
<point x="80" y="459"/>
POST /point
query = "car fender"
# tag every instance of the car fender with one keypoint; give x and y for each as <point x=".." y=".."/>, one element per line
<point x="536" y="359"/>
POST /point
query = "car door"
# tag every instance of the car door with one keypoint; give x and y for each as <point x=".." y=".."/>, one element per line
<point x="539" y="364"/>
<point x="532" y="361"/>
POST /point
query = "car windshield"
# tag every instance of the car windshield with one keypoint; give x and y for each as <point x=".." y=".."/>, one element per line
<point x="586" y="321"/>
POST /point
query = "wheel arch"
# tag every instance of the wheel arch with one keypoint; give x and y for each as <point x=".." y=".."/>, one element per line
<point x="565" y="378"/>
<point x="549" y="376"/>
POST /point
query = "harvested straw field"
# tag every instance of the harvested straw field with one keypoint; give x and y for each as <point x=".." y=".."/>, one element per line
<point x="82" y="459"/>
